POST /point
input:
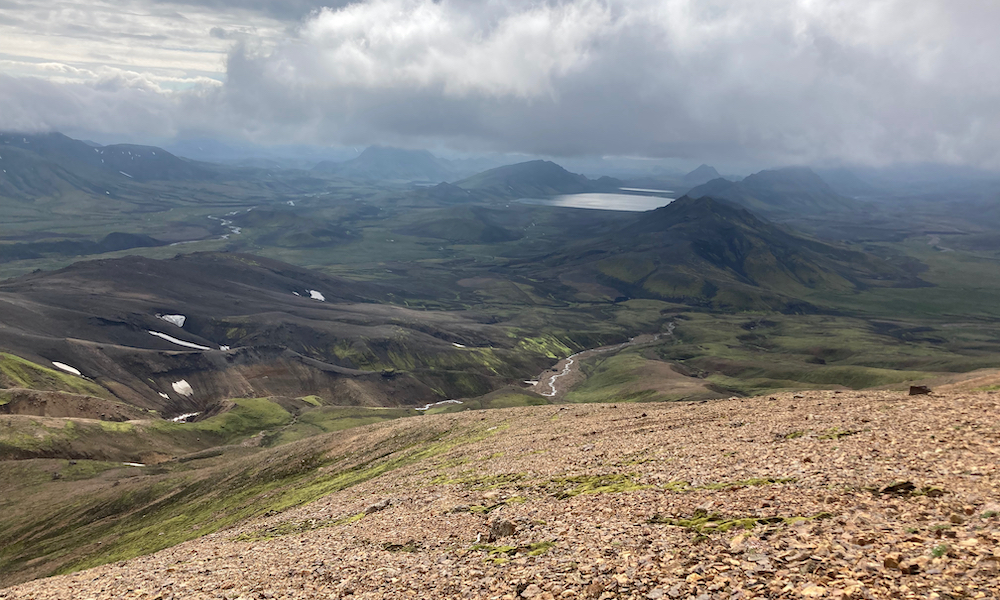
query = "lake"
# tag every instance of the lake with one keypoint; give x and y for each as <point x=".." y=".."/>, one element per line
<point x="598" y="201"/>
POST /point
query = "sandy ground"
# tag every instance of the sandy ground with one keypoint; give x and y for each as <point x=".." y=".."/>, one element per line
<point x="839" y="495"/>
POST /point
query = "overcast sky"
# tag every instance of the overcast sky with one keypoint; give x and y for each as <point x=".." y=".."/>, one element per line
<point x="770" y="82"/>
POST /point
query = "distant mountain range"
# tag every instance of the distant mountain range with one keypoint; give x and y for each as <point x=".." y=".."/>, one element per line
<point x="381" y="163"/>
<point x="50" y="164"/>
<point x="779" y="193"/>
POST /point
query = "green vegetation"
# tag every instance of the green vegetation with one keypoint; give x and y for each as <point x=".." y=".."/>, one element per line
<point x="704" y="522"/>
<point x="501" y="554"/>
<point x="18" y="372"/>
<point x="294" y="527"/>
<point x="26" y="437"/>
<point x="126" y="517"/>
<point x="473" y="481"/>
<point x="755" y="481"/>
<point x="332" y="418"/>
<point x="567" y="487"/>
<point x="835" y="433"/>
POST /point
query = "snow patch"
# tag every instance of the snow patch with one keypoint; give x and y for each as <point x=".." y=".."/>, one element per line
<point x="177" y="320"/>
<point x="224" y="348"/>
<point x="183" y="418"/>
<point x="182" y="387"/>
<point x="126" y="174"/>
<point x="65" y="367"/>
<point x="317" y="296"/>
<point x="131" y="464"/>
<point x="429" y="406"/>
<point x="457" y="345"/>
<point x="164" y="396"/>
<point x="174" y="340"/>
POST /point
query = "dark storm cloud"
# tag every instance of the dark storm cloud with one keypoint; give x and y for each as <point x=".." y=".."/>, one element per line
<point x="791" y="81"/>
<point x="867" y="81"/>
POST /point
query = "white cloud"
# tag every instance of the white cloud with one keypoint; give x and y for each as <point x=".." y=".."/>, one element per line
<point x="868" y="81"/>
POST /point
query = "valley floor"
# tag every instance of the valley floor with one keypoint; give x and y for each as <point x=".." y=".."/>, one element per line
<point x="819" y="494"/>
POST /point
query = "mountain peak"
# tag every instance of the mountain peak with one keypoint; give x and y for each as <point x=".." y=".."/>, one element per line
<point x="386" y="162"/>
<point x="703" y="174"/>
<point x="534" y="178"/>
<point x="779" y="193"/>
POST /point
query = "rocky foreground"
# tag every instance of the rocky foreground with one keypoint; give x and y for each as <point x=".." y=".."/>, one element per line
<point x="819" y="495"/>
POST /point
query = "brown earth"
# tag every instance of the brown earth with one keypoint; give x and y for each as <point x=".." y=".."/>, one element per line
<point x="817" y="495"/>
<point x="43" y="403"/>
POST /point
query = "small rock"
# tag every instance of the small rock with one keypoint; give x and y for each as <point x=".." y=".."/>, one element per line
<point x="655" y="594"/>
<point x="891" y="561"/>
<point x="381" y="505"/>
<point x="917" y="390"/>
<point x="501" y="528"/>
<point x="531" y="591"/>
<point x="901" y="488"/>
<point x="956" y="518"/>
<point x="813" y="591"/>
<point x="909" y="569"/>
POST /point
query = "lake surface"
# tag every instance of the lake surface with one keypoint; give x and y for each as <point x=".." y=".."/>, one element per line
<point x="622" y="202"/>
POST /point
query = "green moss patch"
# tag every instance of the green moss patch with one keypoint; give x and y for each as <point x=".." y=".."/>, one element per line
<point x="294" y="527"/>
<point x="704" y="522"/>
<point x="18" y="372"/>
<point x="567" y="487"/>
<point x="502" y="554"/>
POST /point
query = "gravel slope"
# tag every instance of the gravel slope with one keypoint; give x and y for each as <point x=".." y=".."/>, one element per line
<point x="631" y="501"/>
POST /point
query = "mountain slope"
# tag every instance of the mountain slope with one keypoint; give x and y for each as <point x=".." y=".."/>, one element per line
<point x="291" y="332"/>
<point x="781" y="193"/>
<point x="711" y="252"/>
<point x="378" y="163"/>
<point x="788" y="497"/>
<point x="46" y="164"/>
<point x="533" y="178"/>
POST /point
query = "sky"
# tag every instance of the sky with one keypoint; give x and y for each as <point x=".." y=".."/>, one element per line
<point x="868" y="82"/>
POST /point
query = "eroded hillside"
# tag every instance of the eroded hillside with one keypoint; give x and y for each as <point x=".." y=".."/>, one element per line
<point x="820" y="494"/>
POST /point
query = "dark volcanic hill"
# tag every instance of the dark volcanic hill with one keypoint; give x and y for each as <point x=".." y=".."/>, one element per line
<point x="714" y="253"/>
<point x="291" y="331"/>
<point x="781" y="193"/>
<point x="379" y="163"/>
<point x="532" y="179"/>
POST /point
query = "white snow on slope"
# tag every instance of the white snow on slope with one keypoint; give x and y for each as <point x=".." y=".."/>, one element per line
<point x="182" y="387"/>
<point x="174" y="340"/>
<point x="428" y="407"/>
<point x="183" y="418"/>
<point x="317" y="296"/>
<point x="65" y="367"/>
<point x="177" y="320"/>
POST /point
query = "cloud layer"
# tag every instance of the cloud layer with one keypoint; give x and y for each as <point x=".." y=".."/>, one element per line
<point x="858" y="81"/>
